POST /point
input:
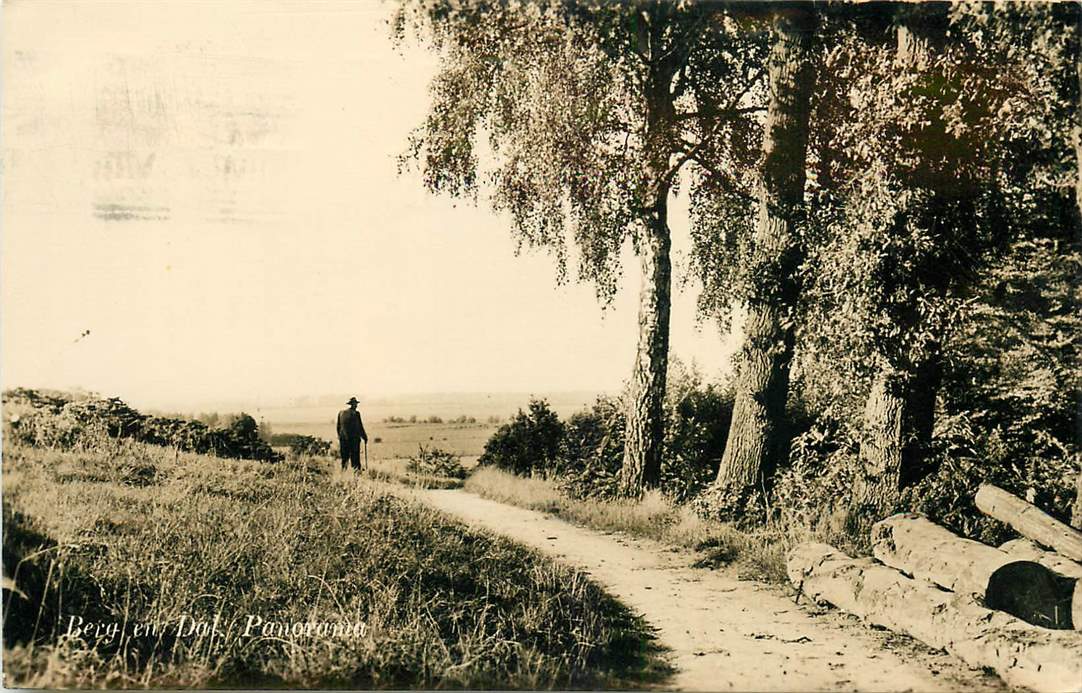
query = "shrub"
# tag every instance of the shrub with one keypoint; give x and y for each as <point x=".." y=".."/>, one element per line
<point x="301" y="445"/>
<point x="968" y="454"/>
<point x="593" y="450"/>
<point x="697" y="420"/>
<point x="696" y="427"/>
<point x="436" y="462"/>
<point x="529" y="442"/>
<point x="55" y="421"/>
<point x="816" y="484"/>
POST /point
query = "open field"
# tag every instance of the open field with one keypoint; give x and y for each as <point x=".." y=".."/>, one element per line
<point x="398" y="440"/>
<point x="146" y="567"/>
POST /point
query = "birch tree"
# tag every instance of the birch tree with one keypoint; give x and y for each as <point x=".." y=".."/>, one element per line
<point x="592" y="111"/>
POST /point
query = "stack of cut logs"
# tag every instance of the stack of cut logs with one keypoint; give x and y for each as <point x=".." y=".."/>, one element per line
<point x="1016" y="609"/>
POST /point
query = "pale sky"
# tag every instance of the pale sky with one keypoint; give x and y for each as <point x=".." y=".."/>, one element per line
<point x="211" y="189"/>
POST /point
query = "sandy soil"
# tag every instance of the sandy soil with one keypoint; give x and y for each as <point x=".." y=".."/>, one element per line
<point x="725" y="633"/>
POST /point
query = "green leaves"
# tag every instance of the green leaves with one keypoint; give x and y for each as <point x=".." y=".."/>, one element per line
<point x="584" y="105"/>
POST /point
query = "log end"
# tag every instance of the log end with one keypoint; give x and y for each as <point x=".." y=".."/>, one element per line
<point x="1032" y="593"/>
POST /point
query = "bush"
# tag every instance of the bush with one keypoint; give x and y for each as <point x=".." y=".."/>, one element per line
<point x="816" y="484"/>
<point x="593" y="450"/>
<point x="697" y="420"/>
<point x="586" y="452"/>
<point x="967" y="455"/>
<point x="436" y="462"/>
<point x="66" y="422"/>
<point x="529" y="442"/>
<point x="696" y="427"/>
<point x="301" y="445"/>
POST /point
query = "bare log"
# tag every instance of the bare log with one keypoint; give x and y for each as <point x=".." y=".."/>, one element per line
<point x="1022" y="654"/>
<point x="923" y="549"/>
<point x="1022" y="588"/>
<point x="1030" y="521"/>
<point x="1029" y="550"/>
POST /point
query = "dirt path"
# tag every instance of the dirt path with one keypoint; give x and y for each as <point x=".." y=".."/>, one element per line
<point x="724" y="633"/>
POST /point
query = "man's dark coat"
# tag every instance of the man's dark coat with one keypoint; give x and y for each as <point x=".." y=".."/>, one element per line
<point x="350" y="434"/>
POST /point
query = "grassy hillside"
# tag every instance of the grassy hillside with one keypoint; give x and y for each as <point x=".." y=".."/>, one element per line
<point x="123" y="550"/>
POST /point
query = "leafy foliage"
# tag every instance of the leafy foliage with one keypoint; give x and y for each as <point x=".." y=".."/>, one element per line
<point x="586" y="451"/>
<point x="579" y="102"/>
<point x="529" y="442"/>
<point x="1012" y="388"/>
<point x="436" y="462"/>
<point x="301" y="445"/>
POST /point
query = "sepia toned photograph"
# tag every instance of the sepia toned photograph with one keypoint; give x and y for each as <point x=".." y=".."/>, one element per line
<point x="682" y="345"/>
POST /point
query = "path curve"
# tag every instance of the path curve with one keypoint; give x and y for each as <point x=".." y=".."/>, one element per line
<point x="725" y="633"/>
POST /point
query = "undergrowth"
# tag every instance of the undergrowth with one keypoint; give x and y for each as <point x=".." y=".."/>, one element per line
<point x="756" y="552"/>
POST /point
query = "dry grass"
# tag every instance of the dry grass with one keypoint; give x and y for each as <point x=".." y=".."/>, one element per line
<point x="135" y="535"/>
<point x="396" y="471"/>
<point x="758" y="554"/>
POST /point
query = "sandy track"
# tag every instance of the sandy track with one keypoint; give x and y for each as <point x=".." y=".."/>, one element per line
<point x="725" y="633"/>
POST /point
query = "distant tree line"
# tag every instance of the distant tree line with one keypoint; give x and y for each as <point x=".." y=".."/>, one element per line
<point x="887" y="193"/>
<point x="433" y="419"/>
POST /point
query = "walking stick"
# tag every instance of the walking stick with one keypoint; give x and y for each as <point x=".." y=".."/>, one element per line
<point x="366" y="454"/>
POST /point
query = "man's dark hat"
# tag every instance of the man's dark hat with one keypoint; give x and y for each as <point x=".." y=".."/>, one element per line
<point x="352" y="400"/>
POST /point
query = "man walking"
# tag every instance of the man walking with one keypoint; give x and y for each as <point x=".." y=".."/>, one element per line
<point x="350" y="434"/>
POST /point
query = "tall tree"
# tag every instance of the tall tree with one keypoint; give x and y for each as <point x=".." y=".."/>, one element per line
<point x="757" y="438"/>
<point x="900" y="409"/>
<point x="1076" y="516"/>
<point x="940" y="155"/>
<point x="592" y="110"/>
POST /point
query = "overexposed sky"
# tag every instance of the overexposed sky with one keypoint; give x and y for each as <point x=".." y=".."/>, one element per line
<point x="211" y="189"/>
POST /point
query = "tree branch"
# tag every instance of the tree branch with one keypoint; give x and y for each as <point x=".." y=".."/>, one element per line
<point x="726" y="181"/>
<point x="718" y="113"/>
<point x="693" y="152"/>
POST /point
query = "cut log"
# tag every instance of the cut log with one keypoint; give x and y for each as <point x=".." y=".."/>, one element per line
<point x="1028" y="550"/>
<point x="923" y="549"/>
<point x="1030" y="521"/>
<point x="1022" y="654"/>
<point x="1022" y="588"/>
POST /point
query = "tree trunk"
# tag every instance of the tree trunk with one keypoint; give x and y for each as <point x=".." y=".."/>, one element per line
<point x="1022" y="654"/>
<point x="1020" y="587"/>
<point x="645" y="434"/>
<point x="1029" y="520"/>
<point x="645" y="420"/>
<point x="900" y="410"/>
<point x="758" y="436"/>
<point x="897" y="434"/>
<point x="1076" y="516"/>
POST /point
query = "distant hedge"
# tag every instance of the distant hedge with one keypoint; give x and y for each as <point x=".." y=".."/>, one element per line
<point x="58" y="419"/>
<point x="300" y="444"/>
